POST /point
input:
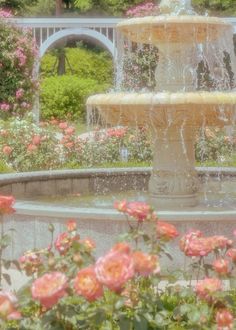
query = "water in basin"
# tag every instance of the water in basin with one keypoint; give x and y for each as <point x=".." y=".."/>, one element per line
<point x="216" y="196"/>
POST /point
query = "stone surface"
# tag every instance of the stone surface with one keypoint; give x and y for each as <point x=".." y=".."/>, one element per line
<point x="18" y="190"/>
<point x="63" y="186"/>
<point x="104" y="226"/>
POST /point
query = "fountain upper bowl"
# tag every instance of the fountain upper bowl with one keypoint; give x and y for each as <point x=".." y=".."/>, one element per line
<point x="174" y="29"/>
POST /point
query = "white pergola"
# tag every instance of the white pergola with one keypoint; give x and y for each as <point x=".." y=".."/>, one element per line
<point x="47" y="31"/>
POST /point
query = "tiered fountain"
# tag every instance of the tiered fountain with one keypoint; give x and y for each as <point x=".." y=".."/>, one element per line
<point x="176" y="109"/>
<point x="173" y="113"/>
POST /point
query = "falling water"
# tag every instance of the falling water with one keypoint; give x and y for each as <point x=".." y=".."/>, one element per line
<point x="206" y="63"/>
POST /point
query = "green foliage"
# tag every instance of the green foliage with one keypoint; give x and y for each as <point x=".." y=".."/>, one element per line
<point x="214" y="145"/>
<point x="16" y="5"/>
<point x="65" y="96"/>
<point x="216" y="6"/>
<point x="31" y="147"/>
<point x="83" y="5"/>
<point x="41" y="7"/>
<point x="4" y="167"/>
<point x="82" y="62"/>
<point x="111" y="7"/>
<point x="139" y="68"/>
<point x="117" y="7"/>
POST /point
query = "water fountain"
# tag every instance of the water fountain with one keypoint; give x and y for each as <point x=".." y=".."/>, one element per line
<point x="173" y="112"/>
<point x="176" y="109"/>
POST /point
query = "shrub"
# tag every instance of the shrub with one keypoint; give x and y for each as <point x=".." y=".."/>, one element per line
<point x="65" y="96"/>
<point x="140" y="63"/>
<point x="214" y="145"/>
<point x="83" y="63"/>
<point x="143" y="9"/>
<point x="17" y="58"/>
<point x="107" y="146"/>
<point x="24" y="146"/>
<point x="4" y="167"/>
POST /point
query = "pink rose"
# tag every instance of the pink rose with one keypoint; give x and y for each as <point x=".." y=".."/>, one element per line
<point x="88" y="243"/>
<point x="205" y="288"/>
<point x="6" y="204"/>
<point x="121" y="247"/>
<point x="87" y="285"/>
<point x="8" y="304"/>
<point x="19" y="93"/>
<point x="36" y="140"/>
<point x="31" y="147"/>
<point x="69" y="130"/>
<point x="49" y="288"/>
<point x="224" y="319"/>
<point x="231" y="253"/>
<point x="7" y="150"/>
<point x="221" y="266"/>
<point x="114" y="270"/>
<point x="63" y="125"/>
<point x="166" y="231"/>
<point x="63" y="243"/>
<point x="145" y="264"/>
<point x="71" y="225"/>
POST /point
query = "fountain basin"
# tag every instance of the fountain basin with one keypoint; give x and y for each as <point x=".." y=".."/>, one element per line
<point x="103" y="223"/>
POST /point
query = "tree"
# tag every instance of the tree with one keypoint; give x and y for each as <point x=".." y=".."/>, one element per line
<point x="224" y="7"/>
<point x="111" y="7"/>
<point x="58" y="7"/>
<point x="16" y="5"/>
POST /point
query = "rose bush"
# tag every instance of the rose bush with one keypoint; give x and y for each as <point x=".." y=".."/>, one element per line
<point x="215" y="145"/>
<point x="128" y="287"/>
<point x="24" y="146"/>
<point x="139" y="62"/>
<point x="17" y="58"/>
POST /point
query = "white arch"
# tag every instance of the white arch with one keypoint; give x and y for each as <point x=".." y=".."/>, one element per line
<point x="77" y="32"/>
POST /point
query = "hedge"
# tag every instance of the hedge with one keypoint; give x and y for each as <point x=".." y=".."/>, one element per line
<point x="65" y="96"/>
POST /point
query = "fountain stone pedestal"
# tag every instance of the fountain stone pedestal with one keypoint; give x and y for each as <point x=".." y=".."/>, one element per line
<point x="174" y="181"/>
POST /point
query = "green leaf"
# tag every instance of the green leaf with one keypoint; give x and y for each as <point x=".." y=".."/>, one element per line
<point x="146" y="238"/>
<point x="5" y="241"/>
<point x="16" y="264"/>
<point x="124" y="323"/>
<point x="7" y="278"/>
<point x="119" y="304"/>
<point x="186" y="308"/>
<point x="51" y="228"/>
<point x="140" y="323"/>
<point x="6" y="264"/>
<point x="194" y="316"/>
<point x="108" y="326"/>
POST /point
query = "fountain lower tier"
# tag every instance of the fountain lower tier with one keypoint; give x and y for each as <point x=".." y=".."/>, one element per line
<point x="172" y="119"/>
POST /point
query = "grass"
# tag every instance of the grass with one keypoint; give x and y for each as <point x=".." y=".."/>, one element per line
<point x="81" y="128"/>
<point x="230" y="163"/>
<point x="109" y="165"/>
<point x="226" y="163"/>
